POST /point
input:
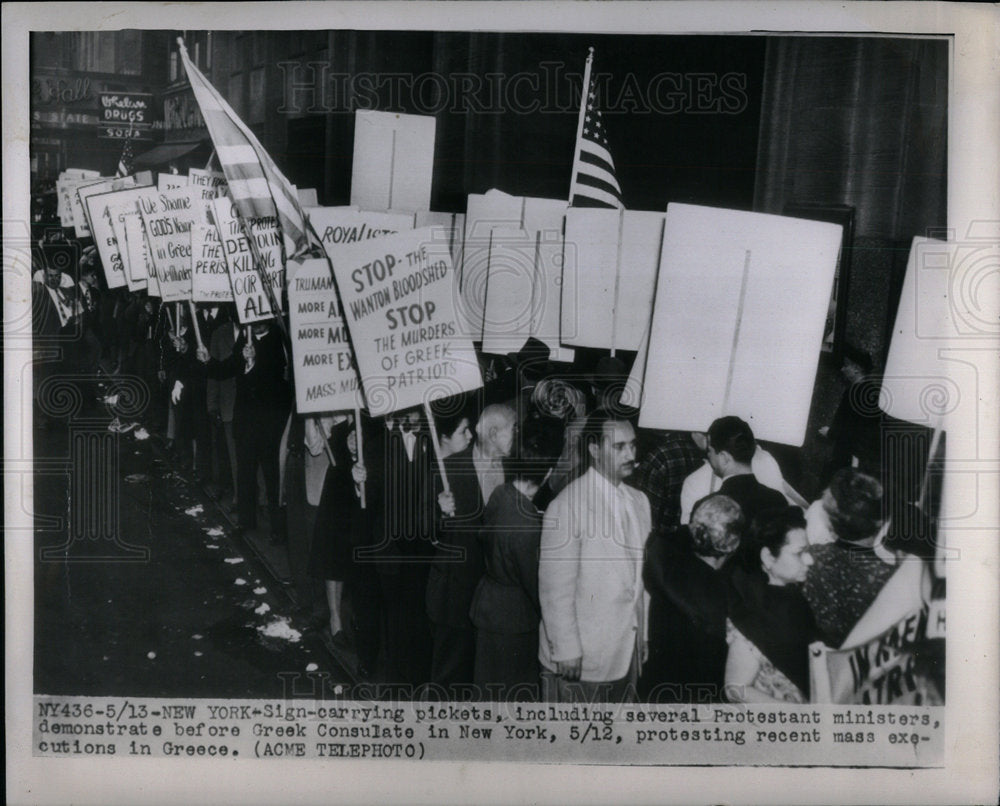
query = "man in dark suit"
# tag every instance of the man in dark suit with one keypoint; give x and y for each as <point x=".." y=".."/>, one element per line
<point x="473" y="475"/>
<point x="731" y="448"/>
<point x="263" y="399"/>
<point x="399" y="494"/>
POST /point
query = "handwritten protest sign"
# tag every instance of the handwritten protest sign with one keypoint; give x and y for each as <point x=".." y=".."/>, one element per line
<point x="102" y="209"/>
<point x="253" y="303"/>
<point x="738" y="320"/>
<point x="213" y="180"/>
<point x="138" y="252"/>
<point x="397" y="294"/>
<point x="882" y="671"/>
<point x="209" y="278"/>
<point x="167" y="217"/>
<point x="393" y="161"/>
<point x="135" y="278"/>
<point x="326" y="377"/>
<point x="339" y="226"/>
<point x="66" y="185"/>
<point x="609" y="284"/>
<point x="81" y="219"/>
<point x="171" y="181"/>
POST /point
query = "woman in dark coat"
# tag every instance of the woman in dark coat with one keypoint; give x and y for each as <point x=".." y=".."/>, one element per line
<point x="505" y="608"/>
<point x="770" y="625"/>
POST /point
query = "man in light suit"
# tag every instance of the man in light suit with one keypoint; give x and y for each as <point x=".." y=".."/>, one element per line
<point x="590" y="573"/>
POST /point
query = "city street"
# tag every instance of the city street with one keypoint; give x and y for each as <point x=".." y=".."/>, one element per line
<point x="142" y="587"/>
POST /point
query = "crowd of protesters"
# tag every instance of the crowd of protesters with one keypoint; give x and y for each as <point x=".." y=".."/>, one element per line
<point x="564" y="553"/>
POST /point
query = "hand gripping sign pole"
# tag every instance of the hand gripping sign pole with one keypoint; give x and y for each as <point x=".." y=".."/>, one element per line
<point x="357" y="408"/>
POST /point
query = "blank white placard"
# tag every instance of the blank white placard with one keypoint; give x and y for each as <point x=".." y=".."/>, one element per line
<point x="483" y="213"/>
<point x="738" y="320"/>
<point x="393" y="161"/>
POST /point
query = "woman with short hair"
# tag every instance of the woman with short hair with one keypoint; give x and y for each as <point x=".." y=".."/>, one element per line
<point x="770" y="625"/>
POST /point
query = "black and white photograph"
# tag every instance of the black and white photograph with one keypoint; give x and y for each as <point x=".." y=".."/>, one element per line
<point x="506" y="382"/>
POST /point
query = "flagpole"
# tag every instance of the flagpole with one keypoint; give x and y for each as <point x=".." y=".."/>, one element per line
<point x="579" y="124"/>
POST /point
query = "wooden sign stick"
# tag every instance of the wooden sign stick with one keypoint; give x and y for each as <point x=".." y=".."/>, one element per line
<point x="437" y="447"/>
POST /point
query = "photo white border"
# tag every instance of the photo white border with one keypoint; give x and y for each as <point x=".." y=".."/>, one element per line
<point x="971" y="765"/>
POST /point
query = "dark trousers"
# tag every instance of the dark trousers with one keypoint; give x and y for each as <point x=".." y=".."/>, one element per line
<point x="258" y="434"/>
<point x="407" y="628"/>
<point x="454" y="659"/>
<point x="364" y="595"/>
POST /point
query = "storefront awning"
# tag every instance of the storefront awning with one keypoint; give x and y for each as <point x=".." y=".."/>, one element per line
<point x="164" y="153"/>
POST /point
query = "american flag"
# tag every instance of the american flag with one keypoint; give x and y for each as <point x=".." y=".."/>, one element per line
<point x="125" y="166"/>
<point x="258" y="188"/>
<point x="594" y="182"/>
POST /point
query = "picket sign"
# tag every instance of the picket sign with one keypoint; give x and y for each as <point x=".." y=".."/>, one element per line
<point x="881" y="671"/>
<point x="326" y="377"/>
<point x="393" y="164"/>
<point x="483" y="212"/>
<point x="398" y="299"/>
<point x="209" y="276"/>
<point x="325" y="368"/>
<point x="167" y="217"/>
<point x="531" y="237"/>
<point x="138" y="252"/>
<point x="81" y="217"/>
<point x="253" y="303"/>
<point x="171" y="181"/>
<point x="102" y="210"/>
<point x="66" y="184"/>
<point x="213" y="180"/>
<point x="738" y="321"/>
<point x="612" y="258"/>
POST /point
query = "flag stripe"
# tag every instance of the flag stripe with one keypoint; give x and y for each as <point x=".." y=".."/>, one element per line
<point x="587" y="181"/>
<point x="608" y="199"/>
<point x="257" y="186"/>
<point x="601" y="173"/>
<point x="595" y="181"/>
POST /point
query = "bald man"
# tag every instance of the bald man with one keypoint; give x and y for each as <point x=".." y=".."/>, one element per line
<point x="473" y="475"/>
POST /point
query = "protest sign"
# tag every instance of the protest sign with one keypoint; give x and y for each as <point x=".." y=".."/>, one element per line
<point x="77" y="211"/>
<point x="483" y="213"/>
<point x="609" y="284"/>
<point x="393" y="161"/>
<point x="397" y="295"/>
<point x="451" y="224"/>
<point x="341" y="226"/>
<point x="103" y="208"/>
<point x="209" y="278"/>
<point x="510" y="290"/>
<point x="171" y="181"/>
<point x="738" y="320"/>
<point x="167" y="217"/>
<point x="135" y="278"/>
<point x="882" y="671"/>
<point x="326" y="377"/>
<point x="66" y="185"/>
<point x="253" y="302"/>
<point x="138" y="252"/>
<point x="121" y="205"/>
<point x="546" y="217"/>
<point x="213" y="180"/>
<point x="921" y="383"/>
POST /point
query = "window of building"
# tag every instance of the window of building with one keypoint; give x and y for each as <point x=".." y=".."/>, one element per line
<point x="95" y="52"/>
<point x="129" y="46"/>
